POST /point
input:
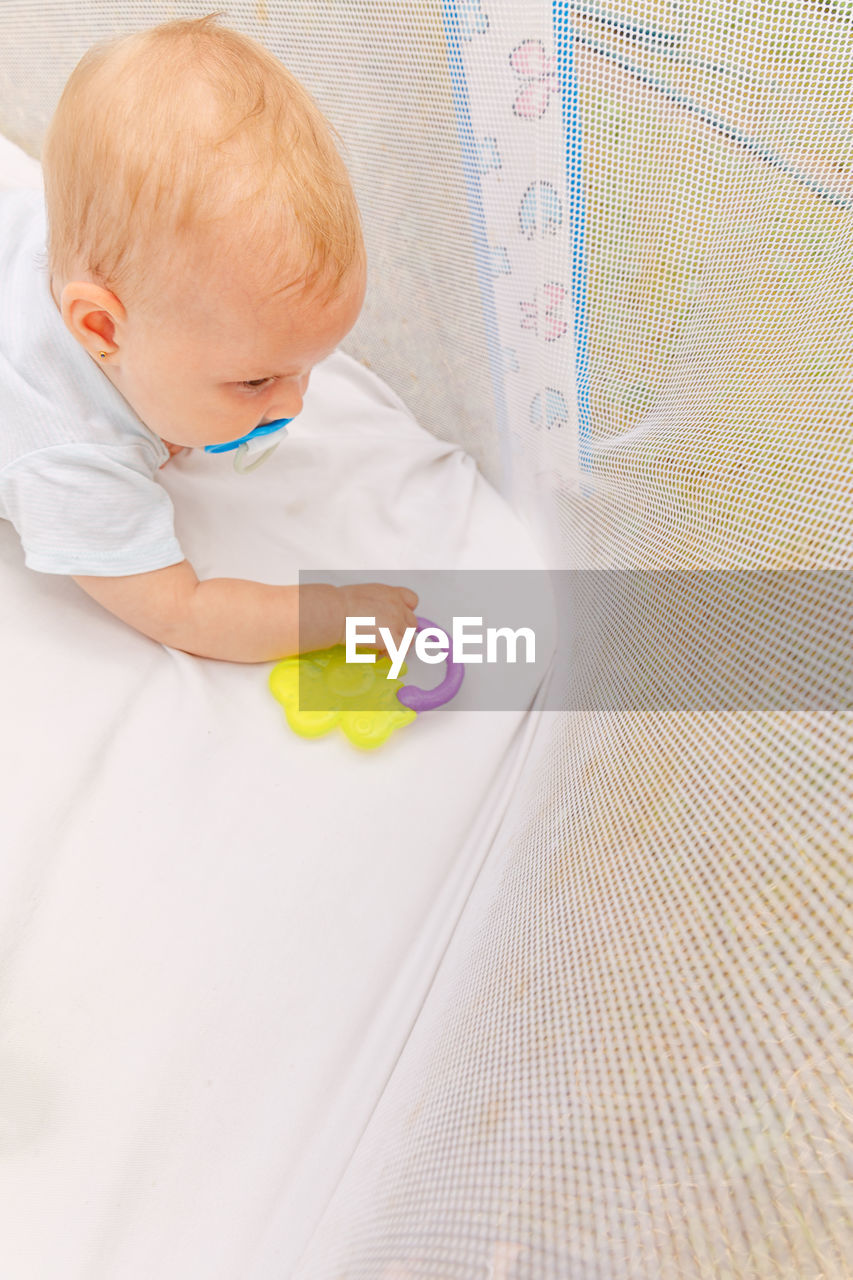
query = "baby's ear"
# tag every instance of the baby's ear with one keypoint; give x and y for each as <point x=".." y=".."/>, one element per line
<point x="92" y="314"/>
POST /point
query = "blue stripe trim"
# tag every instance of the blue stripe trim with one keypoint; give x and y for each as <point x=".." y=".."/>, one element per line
<point x="564" y="49"/>
<point x="482" y="255"/>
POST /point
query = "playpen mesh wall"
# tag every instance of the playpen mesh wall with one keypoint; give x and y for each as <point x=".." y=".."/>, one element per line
<point x="610" y="256"/>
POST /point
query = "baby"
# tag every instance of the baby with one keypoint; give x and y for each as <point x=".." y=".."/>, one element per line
<point x="204" y="252"/>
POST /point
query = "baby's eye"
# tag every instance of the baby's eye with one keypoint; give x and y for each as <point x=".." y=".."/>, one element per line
<point x="257" y="382"/>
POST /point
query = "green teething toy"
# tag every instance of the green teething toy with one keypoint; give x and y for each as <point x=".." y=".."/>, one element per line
<point x="368" y="710"/>
<point x="369" y="705"/>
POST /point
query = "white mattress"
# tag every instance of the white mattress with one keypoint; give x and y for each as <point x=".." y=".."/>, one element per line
<point x="215" y="935"/>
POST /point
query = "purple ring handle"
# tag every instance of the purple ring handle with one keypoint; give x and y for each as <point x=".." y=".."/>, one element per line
<point x="428" y="699"/>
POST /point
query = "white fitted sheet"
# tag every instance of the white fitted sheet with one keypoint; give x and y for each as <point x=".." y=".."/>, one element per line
<point x="214" y="934"/>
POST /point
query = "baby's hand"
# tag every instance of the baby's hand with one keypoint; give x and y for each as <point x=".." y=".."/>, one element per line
<point x="392" y="607"/>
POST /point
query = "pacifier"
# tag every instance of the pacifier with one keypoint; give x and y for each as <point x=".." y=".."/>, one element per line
<point x="253" y="449"/>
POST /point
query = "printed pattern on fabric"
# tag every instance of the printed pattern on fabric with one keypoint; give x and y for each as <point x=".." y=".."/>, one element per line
<point x="521" y="214"/>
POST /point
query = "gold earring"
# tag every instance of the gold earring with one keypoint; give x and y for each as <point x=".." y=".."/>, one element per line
<point x="103" y="354"/>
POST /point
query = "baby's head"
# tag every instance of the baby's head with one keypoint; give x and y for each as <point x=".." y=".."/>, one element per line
<point x="203" y="231"/>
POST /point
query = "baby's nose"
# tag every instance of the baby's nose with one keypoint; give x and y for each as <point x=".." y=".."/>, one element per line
<point x="287" y="400"/>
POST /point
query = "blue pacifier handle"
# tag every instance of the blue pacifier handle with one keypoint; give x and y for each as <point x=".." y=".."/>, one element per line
<point x="267" y="429"/>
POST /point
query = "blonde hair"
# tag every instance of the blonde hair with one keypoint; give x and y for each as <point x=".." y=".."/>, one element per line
<point x="170" y="131"/>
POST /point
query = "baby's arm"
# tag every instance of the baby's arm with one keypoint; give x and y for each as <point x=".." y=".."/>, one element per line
<point x="240" y="621"/>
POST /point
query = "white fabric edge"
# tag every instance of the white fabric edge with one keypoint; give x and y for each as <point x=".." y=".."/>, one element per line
<point x="290" y="1235"/>
<point x="17" y="169"/>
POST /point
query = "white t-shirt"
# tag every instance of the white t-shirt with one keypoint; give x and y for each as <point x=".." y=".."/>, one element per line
<point x="78" y="469"/>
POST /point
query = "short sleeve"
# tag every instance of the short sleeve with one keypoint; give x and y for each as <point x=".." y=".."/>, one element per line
<point x="90" y="510"/>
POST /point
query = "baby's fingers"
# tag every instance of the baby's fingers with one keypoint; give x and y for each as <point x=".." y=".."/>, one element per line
<point x="409" y="597"/>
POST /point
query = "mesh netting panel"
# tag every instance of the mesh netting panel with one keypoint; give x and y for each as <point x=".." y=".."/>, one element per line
<point x="610" y="254"/>
<point x="635" y="1062"/>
